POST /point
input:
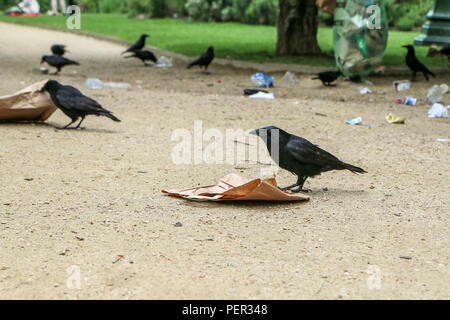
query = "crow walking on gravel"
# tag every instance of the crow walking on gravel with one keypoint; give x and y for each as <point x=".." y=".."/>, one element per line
<point x="139" y="45"/>
<point x="415" y="65"/>
<point x="73" y="103"/>
<point x="204" y="60"/>
<point x="58" y="49"/>
<point x="300" y="156"/>
<point x="144" y="55"/>
<point x="327" y="77"/>
<point x="58" y="62"/>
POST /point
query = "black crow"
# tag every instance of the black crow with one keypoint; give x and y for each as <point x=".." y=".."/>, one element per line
<point x="300" y="156"/>
<point x="204" y="60"/>
<point x="139" y="45"/>
<point x="144" y="55"/>
<point x="73" y="103"/>
<point x="58" y="49"/>
<point x="58" y="62"/>
<point x="415" y="65"/>
<point x="445" y="51"/>
<point x="327" y="77"/>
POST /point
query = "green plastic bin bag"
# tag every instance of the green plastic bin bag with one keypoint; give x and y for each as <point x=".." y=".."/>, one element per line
<point x="360" y="36"/>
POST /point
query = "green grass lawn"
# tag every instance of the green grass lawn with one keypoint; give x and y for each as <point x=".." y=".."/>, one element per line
<point x="238" y="41"/>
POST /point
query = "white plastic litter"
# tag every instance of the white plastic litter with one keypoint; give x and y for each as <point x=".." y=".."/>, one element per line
<point x="163" y="62"/>
<point x="262" y="95"/>
<point x="442" y="140"/>
<point x="289" y="79"/>
<point x="438" y="111"/>
<point x="355" y="121"/>
<point x="444" y="88"/>
<point x="116" y="85"/>
<point x="435" y="94"/>
<point x="401" y="85"/>
<point x="362" y="90"/>
<point x="97" y="84"/>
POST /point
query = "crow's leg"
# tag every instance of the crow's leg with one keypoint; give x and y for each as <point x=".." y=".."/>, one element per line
<point x="68" y="125"/>
<point x="426" y="76"/>
<point x="300" y="183"/>
<point x="288" y="187"/>
<point x="56" y="72"/>
<point x="78" y="125"/>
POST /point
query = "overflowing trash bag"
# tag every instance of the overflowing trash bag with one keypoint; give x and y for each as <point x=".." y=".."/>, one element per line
<point x="360" y="36"/>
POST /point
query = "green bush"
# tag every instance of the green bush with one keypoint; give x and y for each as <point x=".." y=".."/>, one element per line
<point x="262" y="12"/>
<point x="404" y="24"/>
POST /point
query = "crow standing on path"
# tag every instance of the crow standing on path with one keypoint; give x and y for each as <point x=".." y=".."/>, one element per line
<point x="204" y="60"/>
<point x="58" y="49"/>
<point x="139" y="45"/>
<point x="300" y="156"/>
<point x="58" y="62"/>
<point x="415" y="65"/>
<point x="327" y="77"/>
<point x="73" y="103"/>
<point x="143" y="55"/>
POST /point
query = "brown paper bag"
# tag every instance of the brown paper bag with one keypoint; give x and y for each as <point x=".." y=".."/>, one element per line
<point x="27" y="104"/>
<point x="235" y="187"/>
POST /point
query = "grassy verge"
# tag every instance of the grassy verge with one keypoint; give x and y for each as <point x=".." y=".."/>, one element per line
<point x="235" y="40"/>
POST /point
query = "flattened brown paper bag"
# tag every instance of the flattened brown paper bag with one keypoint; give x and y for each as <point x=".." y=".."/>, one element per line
<point x="27" y="104"/>
<point x="235" y="187"/>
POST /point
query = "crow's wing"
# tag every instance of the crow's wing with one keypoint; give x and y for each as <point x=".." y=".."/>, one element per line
<point x="306" y="152"/>
<point x="72" y="99"/>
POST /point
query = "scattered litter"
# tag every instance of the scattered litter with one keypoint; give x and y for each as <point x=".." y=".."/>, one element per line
<point x="289" y="79"/>
<point x="116" y="85"/>
<point x="402" y="85"/>
<point x="444" y="88"/>
<point x="436" y="94"/>
<point x="355" y="121"/>
<point x="178" y="224"/>
<point x="41" y="70"/>
<point x="262" y="80"/>
<point x="262" y="95"/>
<point x="163" y="62"/>
<point x="249" y="92"/>
<point x="405" y="257"/>
<point x="362" y="90"/>
<point x="28" y="179"/>
<point x="79" y="238"/>
<point x="97" y="84"/>
<point x="392" y="118"/>
<point x="409" y="101"/>
<point x="442" y="140"/>
<point x="370" y="125"/>
<point x="118" y="258"/>
<point x="438" y="111"/>
<point x="235" y="187"/>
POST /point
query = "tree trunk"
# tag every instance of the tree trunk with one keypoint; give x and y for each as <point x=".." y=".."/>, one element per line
<point x="297" y="28"/>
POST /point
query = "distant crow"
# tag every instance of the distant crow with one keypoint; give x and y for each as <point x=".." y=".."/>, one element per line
<point x="58" y="62"/>
<point x="300" y="156"/>
<point x="139" y="45"/>
<point x="58" y="49"/>
<point x="73" y="103"/>
<point x="204" y="60"/>
<point x="144" y="55"/>
<point x="415" y="65"/>
<point x="327" y="77"/>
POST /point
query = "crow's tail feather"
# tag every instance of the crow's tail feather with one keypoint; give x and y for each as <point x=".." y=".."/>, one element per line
<point x="354" y="169"/>
<point x="110" y="115"/>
